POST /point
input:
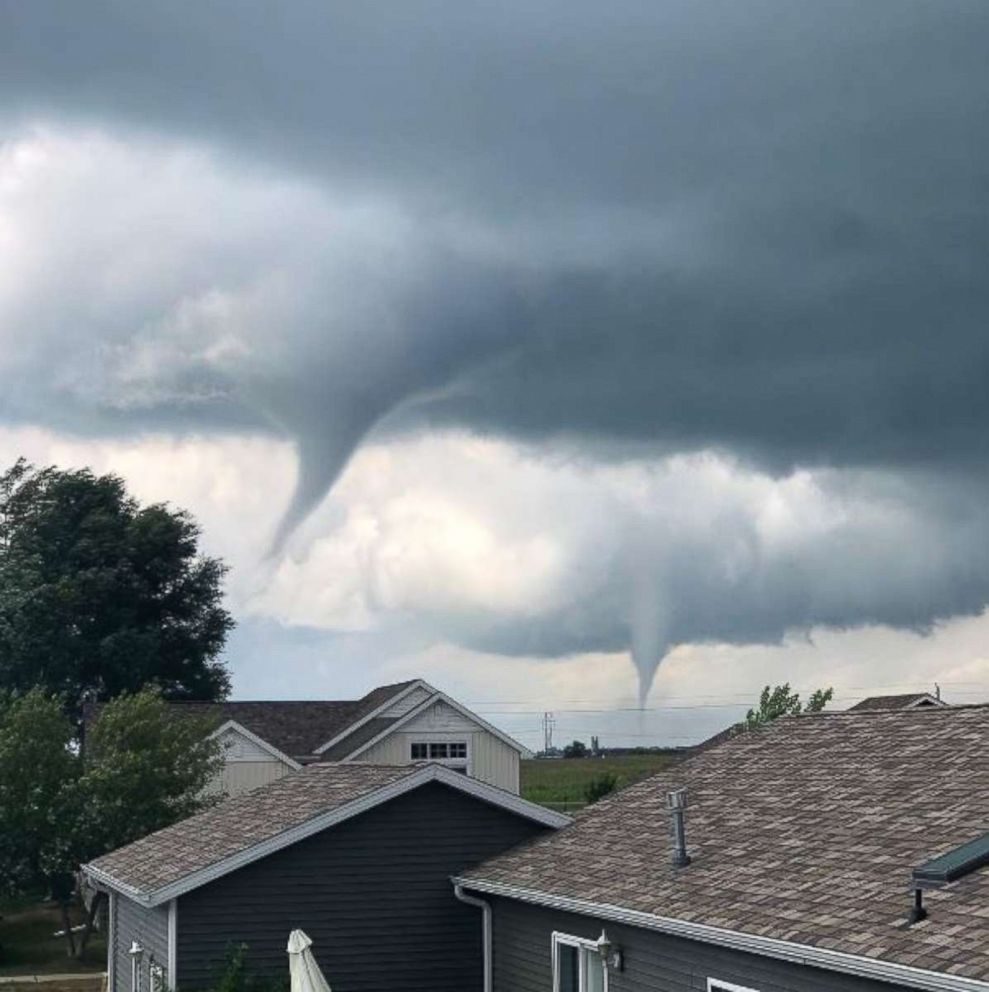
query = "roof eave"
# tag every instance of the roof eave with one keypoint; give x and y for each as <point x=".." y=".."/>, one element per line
<point x="804" y="954"/>
<point x="407" y="783"/>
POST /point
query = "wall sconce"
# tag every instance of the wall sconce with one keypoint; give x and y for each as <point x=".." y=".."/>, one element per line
<point x="610" y="954"/>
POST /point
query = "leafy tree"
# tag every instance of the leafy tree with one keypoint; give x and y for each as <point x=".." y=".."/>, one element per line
<point x="600" y="786"/>
<point x="576" y="750"/>
<point x="778" y="701"/>
<point x="38" y="771"/>
<point x="99" y="595"/>
<point x="143" y="769"/>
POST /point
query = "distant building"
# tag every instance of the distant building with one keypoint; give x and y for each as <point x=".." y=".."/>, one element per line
<point x="906" y="701"/>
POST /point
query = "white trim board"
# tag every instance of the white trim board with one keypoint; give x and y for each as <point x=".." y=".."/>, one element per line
<point x="783" y="950"/>
<point x="439" y="697"/>
<point x="377" y="711"/>
<point x="259" y="741"/>
<point x="419" y="775"/>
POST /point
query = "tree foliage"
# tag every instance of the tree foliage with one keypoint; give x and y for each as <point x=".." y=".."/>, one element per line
<point x="578" y="749"/>
<point x="99" y="595"/>
<point x="777" y="701"/>
<point x="600" y="786"/>
<point x="141" y="770"/>
<point x="38" y="777"/>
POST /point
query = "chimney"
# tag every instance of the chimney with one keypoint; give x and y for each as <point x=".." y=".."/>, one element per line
<point x="677" y="803"/>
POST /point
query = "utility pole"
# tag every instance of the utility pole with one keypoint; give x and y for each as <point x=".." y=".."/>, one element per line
<point x="548" y="724"/>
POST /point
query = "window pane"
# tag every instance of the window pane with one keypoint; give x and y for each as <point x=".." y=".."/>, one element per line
<point x="458" y="750"/>
<point x="595" y="972"/>
<point x="419" y="751"/>
<point x="568" y="968"/>
<point x="437" y="751"/>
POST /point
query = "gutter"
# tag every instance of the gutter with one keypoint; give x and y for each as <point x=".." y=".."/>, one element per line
<point x="485" y="907"/>
<point x="804" y="954"/>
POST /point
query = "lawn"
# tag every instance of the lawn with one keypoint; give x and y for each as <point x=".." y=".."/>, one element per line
<point x="561" y="782"/>
<point x="27" y="946"/>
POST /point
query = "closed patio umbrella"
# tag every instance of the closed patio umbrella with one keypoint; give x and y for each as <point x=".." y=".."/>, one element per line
<point x="306" y="976"/>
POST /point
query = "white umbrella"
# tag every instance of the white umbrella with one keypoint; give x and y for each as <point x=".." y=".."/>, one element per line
<point x="306" y="976"/>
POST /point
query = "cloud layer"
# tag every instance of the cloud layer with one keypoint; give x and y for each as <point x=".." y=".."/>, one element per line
<point x="696" y="292"/>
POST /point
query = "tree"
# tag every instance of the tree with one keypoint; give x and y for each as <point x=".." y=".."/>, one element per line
<point x="576" y="750"/>
<point x="143" y="769"/>
<point x="99" y="595"/>
<point x="778" y="701"/>
<point x="38" y="772"/>
<point x="600" y="786"/>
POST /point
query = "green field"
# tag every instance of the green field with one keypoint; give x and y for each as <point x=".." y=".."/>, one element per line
<point x="27" y="946"/>
<point x="561" y="782"/>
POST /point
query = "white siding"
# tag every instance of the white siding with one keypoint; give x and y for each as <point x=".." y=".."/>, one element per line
<point x="242" y="776"/>
<point x="237" y="747"/>
<point x="495" y="762"/>
<point x="440" y="718"/>
<point x="491" y="760"/>
<point x="393" y="750"/>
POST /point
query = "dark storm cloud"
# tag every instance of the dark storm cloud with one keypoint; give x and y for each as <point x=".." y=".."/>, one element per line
<point x="755" y="227"/>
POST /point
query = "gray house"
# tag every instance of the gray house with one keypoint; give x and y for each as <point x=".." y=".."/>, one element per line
<point x="359" y="856"/>
<point x="843" y="852"/>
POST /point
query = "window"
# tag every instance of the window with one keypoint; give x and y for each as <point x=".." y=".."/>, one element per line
<point x="454" y="754"/>
<point x="577" y="966"/>
<point x="716" y="985"/>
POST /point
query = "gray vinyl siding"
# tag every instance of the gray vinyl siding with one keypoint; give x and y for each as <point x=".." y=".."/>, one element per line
<point x="149" y="927"/>
<point x="373" y="893"/>
<point x="654" y="962"/>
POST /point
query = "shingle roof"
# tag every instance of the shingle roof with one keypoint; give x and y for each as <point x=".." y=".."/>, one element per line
<point x="240" y="823"/>
<point x="805" y="831"/>
<point x="296" y="727"/>
<point x="898" y="702"/>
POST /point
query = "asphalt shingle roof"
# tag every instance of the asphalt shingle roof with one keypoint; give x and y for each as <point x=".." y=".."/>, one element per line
<point x="805" y="831"/>
<point x="898" y="702"/>
<point x="240" y="823"/>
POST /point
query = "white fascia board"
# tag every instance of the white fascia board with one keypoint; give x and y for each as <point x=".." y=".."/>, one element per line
<point x="173" y="942"/>
<point x="390" y="701"/>
<point x="783" y="950"/>
<point x="259" y="741"/>
<point x="440" y="697"/>
<point x="418" y="776"/>
<point x="927" y="699"/>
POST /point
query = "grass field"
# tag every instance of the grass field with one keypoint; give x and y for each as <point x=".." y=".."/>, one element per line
<point x="559" y="781"/>
<point x="27" y="946"/>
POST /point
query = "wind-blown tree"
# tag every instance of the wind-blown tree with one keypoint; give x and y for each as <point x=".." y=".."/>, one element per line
<point x="99" y="595"/>
<point x="778" y="701"/>
<point x="141" y="769"/>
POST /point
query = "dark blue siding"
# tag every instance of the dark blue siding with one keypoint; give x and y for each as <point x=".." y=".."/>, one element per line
<point x="373" y="893"/>
<point x="654" y="962"/>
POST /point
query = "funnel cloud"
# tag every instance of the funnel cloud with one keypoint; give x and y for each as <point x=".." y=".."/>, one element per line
<point x="724" y="298"/>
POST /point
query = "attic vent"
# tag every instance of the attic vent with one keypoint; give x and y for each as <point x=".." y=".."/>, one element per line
<point x="955" y="864"/>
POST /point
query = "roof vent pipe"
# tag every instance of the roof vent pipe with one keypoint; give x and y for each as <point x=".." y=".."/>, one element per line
<point x="677" y="803"/>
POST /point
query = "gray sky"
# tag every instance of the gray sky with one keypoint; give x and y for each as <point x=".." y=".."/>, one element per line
<point x="498" y="341"/>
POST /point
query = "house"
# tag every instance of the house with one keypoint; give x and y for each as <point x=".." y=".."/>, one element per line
<point x="357" y="855"/>
<point x="392" y="725"/>
<point x="905" y="701"/>
<point x="838" y="851"/>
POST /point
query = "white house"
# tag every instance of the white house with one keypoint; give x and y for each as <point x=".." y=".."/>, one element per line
<point x="392" y="725"/>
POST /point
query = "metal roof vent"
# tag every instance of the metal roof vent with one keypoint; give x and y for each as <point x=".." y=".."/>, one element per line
<point x="955" y="864"/>
<point x="677" y="803"/>
<point x="947" y="868"/>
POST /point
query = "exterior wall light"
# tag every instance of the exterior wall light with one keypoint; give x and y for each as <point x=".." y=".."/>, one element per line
<point x="609" y="953"/>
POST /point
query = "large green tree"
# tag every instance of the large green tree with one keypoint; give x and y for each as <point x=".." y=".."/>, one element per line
<point x="142" y="768"/>
<point x="99" y="595"/>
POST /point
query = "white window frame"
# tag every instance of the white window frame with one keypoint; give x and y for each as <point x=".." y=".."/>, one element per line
<point x="718" y="985"/>
<point x="583" y="946"/>
<point x="428" y="738"/>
